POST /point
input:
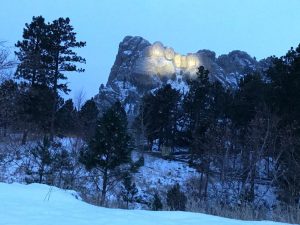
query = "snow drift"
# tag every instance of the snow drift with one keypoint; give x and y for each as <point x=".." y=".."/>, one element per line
<point x="38" y="204"/>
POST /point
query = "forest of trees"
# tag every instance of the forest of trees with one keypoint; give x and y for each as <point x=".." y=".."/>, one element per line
<point x="226" y="133"/>
<point x="229" y="132"/>
<point x="34" y="116"/>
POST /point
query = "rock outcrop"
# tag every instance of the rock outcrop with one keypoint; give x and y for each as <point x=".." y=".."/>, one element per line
<point x="135" y="72"/>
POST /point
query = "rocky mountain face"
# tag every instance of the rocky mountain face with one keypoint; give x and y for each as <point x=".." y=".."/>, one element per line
<point x="141" y="67"/>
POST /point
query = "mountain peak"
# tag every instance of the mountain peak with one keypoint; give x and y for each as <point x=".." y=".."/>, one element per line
<point x="140" y="67"/>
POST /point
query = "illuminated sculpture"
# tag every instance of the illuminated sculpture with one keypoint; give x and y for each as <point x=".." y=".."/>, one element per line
<point x="157" y="49"/>
<point x="177" y="60"/>
<point x="160" y="60"/>
<point x="192" y="61"/>
<point x="183" y="61"/>
<point x="169" y="53"/>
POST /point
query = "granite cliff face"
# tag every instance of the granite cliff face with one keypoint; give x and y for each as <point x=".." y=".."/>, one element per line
<point x="135" y="72"/>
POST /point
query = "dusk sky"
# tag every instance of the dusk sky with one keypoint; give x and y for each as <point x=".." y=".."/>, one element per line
<point x="259" y="27"/>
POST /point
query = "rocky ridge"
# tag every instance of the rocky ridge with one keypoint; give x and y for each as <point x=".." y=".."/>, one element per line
<point x="129" y="79"/>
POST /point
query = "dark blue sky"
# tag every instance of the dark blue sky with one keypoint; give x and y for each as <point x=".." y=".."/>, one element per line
<point x="260" y="27"/>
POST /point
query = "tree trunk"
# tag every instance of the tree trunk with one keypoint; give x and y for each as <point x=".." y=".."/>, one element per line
<point x="104" y="187"/>
<point x="24" y="137"/>
<point x="54" y="107"/>
<point x="201" y="184"/>
<point x="53" y="118"/>
<point x="159" y="144"/>
<point x="41" y="174"/>
<point x="252" y="180"/>
<point x="207" y="178"/>
<point x="4" y="129"/>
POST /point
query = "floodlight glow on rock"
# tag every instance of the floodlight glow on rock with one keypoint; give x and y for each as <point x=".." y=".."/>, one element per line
<point x="177" y="60"/>
<point x="183" y="61"/>
<point x="192" y="61"/>
<point x="157" y="50"/>
<point x="160" y="60"/>
<point x="169" y="53"/>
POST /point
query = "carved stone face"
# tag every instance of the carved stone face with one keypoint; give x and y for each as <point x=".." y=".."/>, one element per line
<point x="157" y="50"/>
<point x="192" y="61"/>
<point x="169" y="53"/>
<point x="177" y="60"/>
<point x="158" y="59"/>
<point x="183" y="61"/>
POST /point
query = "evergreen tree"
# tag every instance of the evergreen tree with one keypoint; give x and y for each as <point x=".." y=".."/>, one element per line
<point x="197" y="102"/>
<point x="156" y="203"/>
<point x="285" y="86"/>
<point x="66" y="118"/>
<point x="34" y="107"/>
<point x="129" y="190"/>
<point x="62" y="167"/>
<point x="283" y="99"/>
<point x="176" y="199"/>
<point x="110" y="147"/>
<point x="8" y="104"/>
<point x="45" y="55"/>
<point x="159" y="114"/>
<point x="288" y="173"/>
<point x="50" y="163"/>
<point x="63" y="58"/>
<point x="198" y="107"/>
<point x="32" y="53"/>
<point x="248" y="99"/>
<point x="60" y="48"/>
<point x="42" y="158"/>
<point x="88" y="115"/>
<point x="144" y="122"/>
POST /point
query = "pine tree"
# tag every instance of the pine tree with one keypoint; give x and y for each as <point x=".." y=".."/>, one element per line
<point x="66" y="118"/>
<point x="46" y="54"/>
<point x="32" y="53"/>
<point x="176" y="199"/>
<point x="88" y="115"/>
<point x="62" y="167"/>
<point x="283" y="100"/>
<point x="198" y="110"/>
<point x="156" y="203"/>
<point x="34" y="107"/>
<point x="8" y="104"/>
<point x="159" y="114"/>
<point x="248" y="99"/>
<point x="129" y="189"/>
<point x="42" y="158"/>
<point x="63" y="58"/>
<point x="197" y="102"/>
<point x="110" y="147"/>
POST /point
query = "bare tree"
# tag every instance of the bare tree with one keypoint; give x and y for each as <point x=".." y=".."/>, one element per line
<point x="79" y="98"/>
<point x="7" y="63"/>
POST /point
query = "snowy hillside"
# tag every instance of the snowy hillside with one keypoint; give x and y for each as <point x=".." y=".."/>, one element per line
<point x="156" y="175"/>
<point x="37" y="204"/>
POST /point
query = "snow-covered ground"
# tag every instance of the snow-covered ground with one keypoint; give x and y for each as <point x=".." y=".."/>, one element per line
<point x="160" y="172"/>
<point x="38" y="204"/>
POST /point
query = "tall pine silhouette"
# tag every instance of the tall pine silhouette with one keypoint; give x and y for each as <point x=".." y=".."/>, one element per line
<point x="46" y="54"/>
<point x="110" y="147"/>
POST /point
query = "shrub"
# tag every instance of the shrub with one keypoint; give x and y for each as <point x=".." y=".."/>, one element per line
<point x="176" y="199"/>
<point x="156" y="204"/>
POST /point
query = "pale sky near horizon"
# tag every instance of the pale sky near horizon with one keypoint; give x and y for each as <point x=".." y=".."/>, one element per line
<point x="259" y="27"/>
